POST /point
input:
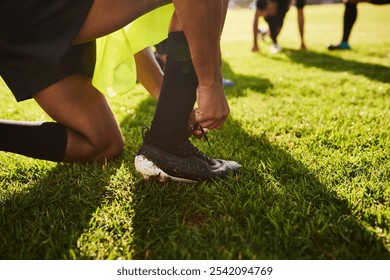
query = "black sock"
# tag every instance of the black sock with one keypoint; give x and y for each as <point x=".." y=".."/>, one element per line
<point x="273" y="27"/>
<point x="350" y="15"/>
<point x="38" y="140"/>
<point x="178" y="94"/>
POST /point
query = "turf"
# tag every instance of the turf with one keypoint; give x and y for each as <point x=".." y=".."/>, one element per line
<point x="311" y="129"/>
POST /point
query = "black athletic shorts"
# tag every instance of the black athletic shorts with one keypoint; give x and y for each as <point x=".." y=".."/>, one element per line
<point x="261" y="4"/>
<point x="283" y="7"/>
<point x="380" y="2"/>
<point x="300" y="3"/>
<point x="36" y="43"/>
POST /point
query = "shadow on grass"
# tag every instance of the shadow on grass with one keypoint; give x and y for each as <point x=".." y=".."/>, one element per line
<point x="276" y="208"/>
<point x="333" y="63"/>
<point x="46" y="220"/>
<point x="243" y="83"/>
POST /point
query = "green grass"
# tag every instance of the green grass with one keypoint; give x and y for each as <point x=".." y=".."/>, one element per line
<point x="310" y="128"/>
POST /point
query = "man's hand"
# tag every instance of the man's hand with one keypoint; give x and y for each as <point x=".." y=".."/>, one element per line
<point x="213" y="107"/>
<point x="202" y="22"/>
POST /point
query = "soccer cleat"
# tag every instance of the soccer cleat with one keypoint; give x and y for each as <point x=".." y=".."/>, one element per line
<point x="188" y="165"/>
<point x="275" y="48"/>
<point x="342" y="46"/>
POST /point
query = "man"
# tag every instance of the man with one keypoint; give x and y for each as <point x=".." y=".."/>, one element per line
<point x="52" y="61"/>
<point x="274" y="12"/>
<point x="349" y="19"/>
<point x="275" y="19"/>
<point x="261" y="11"/>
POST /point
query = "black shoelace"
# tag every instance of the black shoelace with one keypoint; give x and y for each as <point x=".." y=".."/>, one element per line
<point x="192" y="150"/>
<point x="196" y="126"/>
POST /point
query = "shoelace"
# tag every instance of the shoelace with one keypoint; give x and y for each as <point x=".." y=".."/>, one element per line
<point x="196" y="126"/>
<point x="195" y="151"/>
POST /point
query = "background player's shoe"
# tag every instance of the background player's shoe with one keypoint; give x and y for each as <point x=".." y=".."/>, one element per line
<point x="188" y="164"/>
<point x="227" y="83"/>
<point x="275" y="48"/>
<point x="342" y="46"/>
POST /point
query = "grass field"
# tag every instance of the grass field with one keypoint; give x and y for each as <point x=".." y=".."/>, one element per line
<point x="311" y="130"/>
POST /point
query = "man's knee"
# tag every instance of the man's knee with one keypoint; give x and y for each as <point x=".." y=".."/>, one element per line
<point x="110" y="147"/>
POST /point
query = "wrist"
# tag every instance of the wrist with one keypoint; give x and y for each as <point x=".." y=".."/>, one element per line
<point x="210" y="86"/>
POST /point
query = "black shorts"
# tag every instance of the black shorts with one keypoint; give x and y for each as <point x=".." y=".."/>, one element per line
<point x="380" y="2"/>
<point x="300" y="3"/>
<point x="261" y="4"/>
<point x="36" y="43"/>
<point x="283" y="7"/>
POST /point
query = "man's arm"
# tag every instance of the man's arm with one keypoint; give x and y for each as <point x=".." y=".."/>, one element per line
<point x="202" y="22"/>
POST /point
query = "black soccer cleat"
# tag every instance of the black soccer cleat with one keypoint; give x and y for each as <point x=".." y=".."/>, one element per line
<point x="343" y="46"/>
<point x="190" y="165"/>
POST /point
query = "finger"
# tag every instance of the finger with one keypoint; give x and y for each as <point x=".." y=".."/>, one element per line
<point x="192" y="117"/>
<point x="199" y="133"/>
<point x="212" y="124"/>
<point x="219" y="125"/>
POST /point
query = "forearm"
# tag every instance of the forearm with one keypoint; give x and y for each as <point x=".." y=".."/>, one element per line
<point x="202" y="22"/>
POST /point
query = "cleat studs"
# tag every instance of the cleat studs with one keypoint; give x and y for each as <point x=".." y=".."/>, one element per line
<point x="146" y="177"/>
<point x="163" y="179"/>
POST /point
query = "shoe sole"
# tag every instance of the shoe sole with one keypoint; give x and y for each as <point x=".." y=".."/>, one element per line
<point x="151" y="171"/>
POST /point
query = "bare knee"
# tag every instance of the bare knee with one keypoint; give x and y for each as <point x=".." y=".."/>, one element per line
<point x="108" y="147"/>
<point x="98" y="146"/>
<point x="115" y="148"/>
<point x="93" y="133"/>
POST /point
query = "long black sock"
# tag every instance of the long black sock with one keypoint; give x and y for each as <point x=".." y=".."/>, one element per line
<point x="45" y="140"/>
<point x="273" y="27"/>
<point x="350" y="15"/>
<point x="178" y="94"/>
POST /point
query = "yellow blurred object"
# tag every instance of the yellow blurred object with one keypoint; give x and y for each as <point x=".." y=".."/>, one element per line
<point x="115" y="71"/>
